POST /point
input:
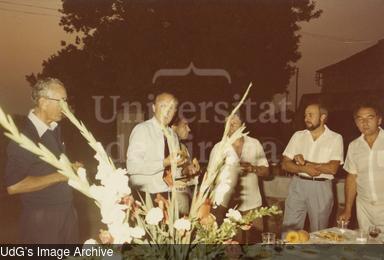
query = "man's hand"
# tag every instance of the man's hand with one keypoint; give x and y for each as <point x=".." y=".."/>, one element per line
<point x="196" y="164"/>
<point x="181" y="158"/>
<point x="167" y="177"/>
<point x="345" y="215"/>
<point x="299" y="159"/>
<point x="246" y="167"/>
<point x="62" y="178"/>
<point x="180" y="161"/>
<point x="311" y="170"/>
<point x="330" y="167"/>
<point x="189" y="170"/>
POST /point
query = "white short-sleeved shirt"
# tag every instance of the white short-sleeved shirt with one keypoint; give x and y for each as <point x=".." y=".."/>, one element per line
<point x="253" y="153"/>
<point x="328" y="147"/>
<point x="368" y="165"/>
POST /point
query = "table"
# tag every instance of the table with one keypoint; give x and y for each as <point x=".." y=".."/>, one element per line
<point x="317" y="248"/>
<point x="348" y="234"/>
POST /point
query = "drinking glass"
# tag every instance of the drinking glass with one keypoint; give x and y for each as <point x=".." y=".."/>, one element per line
<point x="268" y="238"/>
<point x="374" y="232"/>
<point x="361" y="236"/>
<point x="342" y="225"/>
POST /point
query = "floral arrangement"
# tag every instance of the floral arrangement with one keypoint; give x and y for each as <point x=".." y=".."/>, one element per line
<point x="141" y="222"/>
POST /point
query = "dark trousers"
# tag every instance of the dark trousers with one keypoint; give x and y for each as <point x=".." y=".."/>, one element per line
<point x="56" y="224"/>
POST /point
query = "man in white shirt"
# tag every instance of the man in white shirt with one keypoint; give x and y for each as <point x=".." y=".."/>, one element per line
<point x="314" y="155"/>
<point x="365" y="166"/>
<point x="245" y="161"/>
<point x="146" y="160"/>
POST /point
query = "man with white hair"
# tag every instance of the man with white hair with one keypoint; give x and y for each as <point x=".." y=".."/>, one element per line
<point x="48" y="215"/>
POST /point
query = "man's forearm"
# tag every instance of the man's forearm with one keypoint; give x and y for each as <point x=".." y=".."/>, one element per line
<point x="289" y="166"/>
<point x="261" y="171"/>
<point x="35" y="183"/>
<point x="327" y="168"/>
<point x="350" y="191"/>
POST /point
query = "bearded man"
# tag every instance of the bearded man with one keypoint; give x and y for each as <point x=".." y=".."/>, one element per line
<point x="314" y="155"/>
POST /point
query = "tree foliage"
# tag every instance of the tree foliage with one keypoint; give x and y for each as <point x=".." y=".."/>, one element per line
<point x="120" y="44"/>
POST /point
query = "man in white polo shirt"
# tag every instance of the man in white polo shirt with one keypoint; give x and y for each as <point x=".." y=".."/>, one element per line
<point x="314" y="155"/>
<point x="365" y="165"/>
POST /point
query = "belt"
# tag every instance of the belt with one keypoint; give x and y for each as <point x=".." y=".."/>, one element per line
<point x="313" y="178"/>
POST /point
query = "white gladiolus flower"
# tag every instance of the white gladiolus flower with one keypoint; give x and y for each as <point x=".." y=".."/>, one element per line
<point x="230" y="159"/>
<point x="103" y="169"/>
<point x="74" y="184"/>
<point x="137" y="232"/>
<point x="97" y="192"/>
<point x="119" y="181"/>
<point x="154" y="216"/>
<point x="121" y="233"/>
<point x="112" y="213"/>
<point x="221" y="189"/>
<point x="182" y="224"/>
<point x="234" y="214"/>
<point x="104" y="195"/>
<point x="82" y="174"/>
<point x="224" y="176"/>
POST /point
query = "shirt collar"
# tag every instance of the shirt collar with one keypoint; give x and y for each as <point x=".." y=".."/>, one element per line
<point x="381" y="135"/>
<point x="381" y="132"/>
<point x="156" y="123"/>
<point x="326" y="131"/>
<point x="40" y="126"/>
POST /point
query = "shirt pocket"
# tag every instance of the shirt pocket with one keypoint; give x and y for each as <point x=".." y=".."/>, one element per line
<point x="324" y="154"/>
<point x="380" y="158"/>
